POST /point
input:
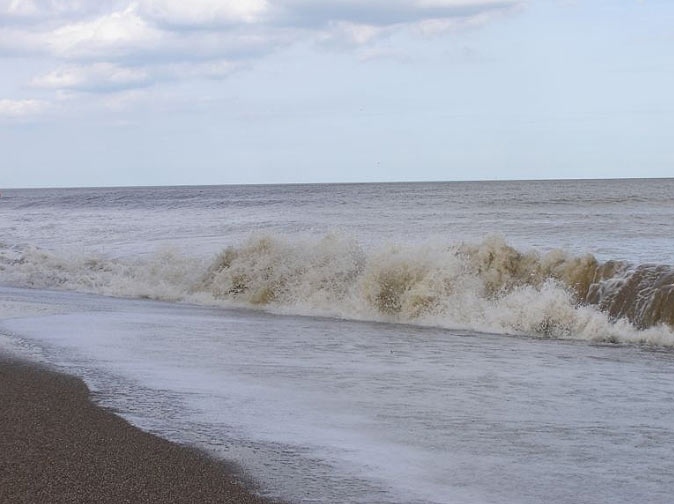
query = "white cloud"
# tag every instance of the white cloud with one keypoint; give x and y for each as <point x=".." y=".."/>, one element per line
<point x="110" y="77"/>
<point x="178" y="30"/>
<point x="205" y="13"/>
<point x="95" y="77"/>
<point x="352" y="34"/>
<point x="118" y="33"/>
<point x="18" y="8"/>
<point x="356" y="23"/>
<point x="443" y="25"/>
<point x="120" y="45"/>
<point x="21" y="11"/>
<point x="22" y="108"/>
<point x="83" y="30"/>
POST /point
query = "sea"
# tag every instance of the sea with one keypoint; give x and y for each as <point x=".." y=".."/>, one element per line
<point x="398" y="343"/>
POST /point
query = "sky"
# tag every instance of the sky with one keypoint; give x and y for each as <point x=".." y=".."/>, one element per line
<point x="173" y="92"/>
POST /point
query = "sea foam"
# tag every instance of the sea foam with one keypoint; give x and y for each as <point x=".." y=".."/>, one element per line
<point x="487" y="286"/>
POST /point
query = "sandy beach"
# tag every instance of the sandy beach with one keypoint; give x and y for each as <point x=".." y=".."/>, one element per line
<point x="57" y="446"/>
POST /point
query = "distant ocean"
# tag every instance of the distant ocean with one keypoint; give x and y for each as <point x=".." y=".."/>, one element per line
<point x="506" y="342"/>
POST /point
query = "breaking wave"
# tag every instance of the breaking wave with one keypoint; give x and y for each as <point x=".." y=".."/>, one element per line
<point x="489" y="286"/>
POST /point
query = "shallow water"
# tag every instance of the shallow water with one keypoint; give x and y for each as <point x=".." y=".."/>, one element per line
<point x="321" y="410"/>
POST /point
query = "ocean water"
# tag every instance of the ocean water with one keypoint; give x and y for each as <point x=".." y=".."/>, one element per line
<point x="505" y="342"/>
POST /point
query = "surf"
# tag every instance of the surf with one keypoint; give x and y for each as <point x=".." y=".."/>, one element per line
<point x="487" y="286"/>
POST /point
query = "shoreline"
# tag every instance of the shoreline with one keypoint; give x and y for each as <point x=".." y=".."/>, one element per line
<point x="58" y="446"/>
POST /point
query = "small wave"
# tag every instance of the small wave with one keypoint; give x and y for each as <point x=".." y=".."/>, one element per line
<point x="488" y="286"/>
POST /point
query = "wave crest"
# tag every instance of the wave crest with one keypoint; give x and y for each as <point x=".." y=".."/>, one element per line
<point x="488" y="286"/>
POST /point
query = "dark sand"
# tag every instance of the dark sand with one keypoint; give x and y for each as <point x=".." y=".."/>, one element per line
<point x="56" y="446"/>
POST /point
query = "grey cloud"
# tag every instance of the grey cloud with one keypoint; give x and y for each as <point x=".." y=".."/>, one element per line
<point x="204" y="36"/>
<point x="306" y="14"/>
<point x="30" y="12"/>
<point x="131" y="33"/>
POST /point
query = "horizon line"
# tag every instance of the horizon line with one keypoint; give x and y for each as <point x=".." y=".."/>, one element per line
<point x="380" y="182"/>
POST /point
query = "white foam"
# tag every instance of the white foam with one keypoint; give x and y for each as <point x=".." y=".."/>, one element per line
<point x="487" y="286"/>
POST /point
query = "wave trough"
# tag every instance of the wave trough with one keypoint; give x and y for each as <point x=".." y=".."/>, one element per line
<point x="489" y="286"/>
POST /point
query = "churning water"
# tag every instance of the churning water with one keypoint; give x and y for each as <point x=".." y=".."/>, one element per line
<point x="402" y="343"/>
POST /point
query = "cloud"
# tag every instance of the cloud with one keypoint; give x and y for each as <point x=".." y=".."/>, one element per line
<point x="120" y="33"/>
<point x="111" y="77"/>
<point x="18" y="9"/>
<point x="79" y="30"/>
<point x="128" y="36"/>
<point x="382" y="12"/>
<point x="25" y="11"/>
<point x="204" y="13"/>
<point x="22" y="108"/>
<point x="96" y="77"/>
<point x="430" y="27"/>
<point x="352" y="24"/>
<point x="118" y="45"/>
<point x="351" y="34"/>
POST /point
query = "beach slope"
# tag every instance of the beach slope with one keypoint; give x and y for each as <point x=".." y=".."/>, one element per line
<point x="56" y="446"/>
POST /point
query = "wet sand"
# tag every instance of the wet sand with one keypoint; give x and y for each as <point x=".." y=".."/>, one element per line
<point x="56" y="446"/>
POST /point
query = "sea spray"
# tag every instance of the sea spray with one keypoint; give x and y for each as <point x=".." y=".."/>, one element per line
<point x="166" y="274"/>
<point x="266" y="270"/>
<point x="487" y="286"/>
